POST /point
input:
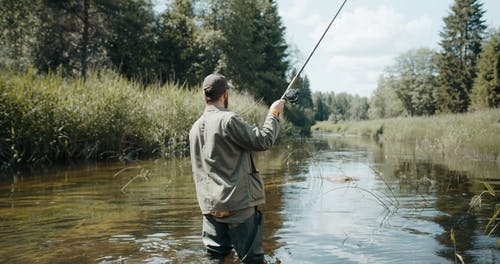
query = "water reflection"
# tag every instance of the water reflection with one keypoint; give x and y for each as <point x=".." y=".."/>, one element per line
<point x="329" y="199"/>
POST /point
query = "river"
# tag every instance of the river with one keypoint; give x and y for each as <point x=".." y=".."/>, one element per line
<point x="330" y="199"/>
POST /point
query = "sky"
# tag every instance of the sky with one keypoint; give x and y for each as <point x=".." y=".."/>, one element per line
<point x="366" y="37"/>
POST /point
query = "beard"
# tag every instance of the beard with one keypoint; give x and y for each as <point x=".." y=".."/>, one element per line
<point x="226" y="102"/>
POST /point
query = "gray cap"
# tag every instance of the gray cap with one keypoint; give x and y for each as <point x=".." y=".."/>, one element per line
<point x="214" y="85"/>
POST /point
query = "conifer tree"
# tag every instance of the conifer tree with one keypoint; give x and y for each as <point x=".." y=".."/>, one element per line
<point x="75" y="35"/>
<point x="130" y="44"/>
<point x="177" y="30"/>
<point x="19" y="23"/>
<point x="486" y="90"/>
<point x="271" y="78"/>
<point x="321" y="109"/>
<point x="255" y="54"/>
<point x="210" y="39"/>
<point x="461" y="45"/>
<point x="301" y="113"/>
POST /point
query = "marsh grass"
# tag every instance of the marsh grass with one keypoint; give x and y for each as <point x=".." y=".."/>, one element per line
<point x="472" y="135"/>
<point x="48" y="118"/>
<point x="476" y="204"/>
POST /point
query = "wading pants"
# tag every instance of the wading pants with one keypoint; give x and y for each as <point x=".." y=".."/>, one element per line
<point x="246" y="238"/>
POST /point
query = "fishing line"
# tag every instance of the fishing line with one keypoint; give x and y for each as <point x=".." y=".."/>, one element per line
<point x="290" y="85"/>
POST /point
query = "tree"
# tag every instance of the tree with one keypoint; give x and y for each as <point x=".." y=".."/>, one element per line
<point x="377" y="100"/>
<point x="19" y="24"/>
<point x="73" y="35"/>
<point x="321" y="109"/>
<point x="301" y="114"/>
<point x="339" y="108"/>
<point x="384" y="102"/>
<point x="177" y="29"/>
<point x="414" y="81"/>
<point x="461" y="45"/>
<point x="255" y="57"/>
<point x="303" y="85"/>
<point x="359" y="108"/>
<point x="271" y="72"/>
<point x="131" y="45"/>
<point x="210" y="41"/>
<point x="486" y="89"/>
<point x="239" y="30"/>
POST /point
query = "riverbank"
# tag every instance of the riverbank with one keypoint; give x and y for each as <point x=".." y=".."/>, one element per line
<point x="451" y="136"/>
<point x="48" y="118"/>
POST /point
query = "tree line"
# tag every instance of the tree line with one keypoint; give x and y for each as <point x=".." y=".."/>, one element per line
<point x="244" y="39"/>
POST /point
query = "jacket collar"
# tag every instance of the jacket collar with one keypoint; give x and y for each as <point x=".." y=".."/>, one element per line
<point x="214" y="108"/>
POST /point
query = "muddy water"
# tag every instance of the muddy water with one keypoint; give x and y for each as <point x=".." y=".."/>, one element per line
<point x="330" y="199"/>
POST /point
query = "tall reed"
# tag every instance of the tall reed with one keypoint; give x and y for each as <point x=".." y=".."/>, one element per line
<point x="473" y="135"/>
<point x="48" y="118"/>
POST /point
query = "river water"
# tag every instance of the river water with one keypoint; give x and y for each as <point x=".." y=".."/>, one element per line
<point x="330" y="199"/>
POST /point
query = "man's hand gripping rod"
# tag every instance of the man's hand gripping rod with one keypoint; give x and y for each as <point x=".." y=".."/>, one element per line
<point x="290" y="85"/>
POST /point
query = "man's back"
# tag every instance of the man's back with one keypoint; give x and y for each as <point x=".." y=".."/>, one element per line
<point x="224" y="173"/>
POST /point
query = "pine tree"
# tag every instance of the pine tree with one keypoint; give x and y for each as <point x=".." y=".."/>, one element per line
<point x="486" y="90"/>
<point x="132" y="51"/>
<point x="177" y="29"/>
<point x="303" y="85"/>
<point x="321" y="111"/>
<point x="461" y="45"/>
<point x="271" y="72"/>
<point x="301" y="113"/>
<point x="210" y="40"/>
<point x="59" y="38"/>
<point x="19" y="24"/>
<point x="240" y="57"/>
<point x="74" y="34"/>
<point x="255" y="54"/>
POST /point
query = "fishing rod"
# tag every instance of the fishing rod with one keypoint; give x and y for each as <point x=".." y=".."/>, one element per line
<point x="290" y="85"/>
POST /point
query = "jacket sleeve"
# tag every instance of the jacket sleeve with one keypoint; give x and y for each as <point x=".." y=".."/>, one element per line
<point x="250" y="137"/>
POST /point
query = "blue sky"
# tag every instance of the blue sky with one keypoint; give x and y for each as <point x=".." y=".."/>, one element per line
<point x="365" y="38"/>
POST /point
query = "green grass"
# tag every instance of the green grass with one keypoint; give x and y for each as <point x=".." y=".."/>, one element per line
<point x="48" y="118"/>
<point x="473" y="135"/>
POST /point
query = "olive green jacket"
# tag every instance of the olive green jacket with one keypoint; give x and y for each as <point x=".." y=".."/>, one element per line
<point x="221" y="145"/>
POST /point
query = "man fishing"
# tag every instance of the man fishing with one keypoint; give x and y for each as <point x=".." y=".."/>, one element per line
<point x="228" y="186"/>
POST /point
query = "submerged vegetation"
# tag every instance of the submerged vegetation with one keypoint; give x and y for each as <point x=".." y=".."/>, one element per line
<point x="472" y="135"/>
<point x="49" y="118"/>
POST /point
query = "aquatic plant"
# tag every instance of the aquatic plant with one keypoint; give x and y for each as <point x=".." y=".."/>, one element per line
<point x="476" y="203"/>
<point x="457" y="256"/>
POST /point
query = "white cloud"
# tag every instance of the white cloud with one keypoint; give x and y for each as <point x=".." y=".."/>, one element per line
<point x="358" y="64"/>
<point x="295" y="11"/>
<point x="356" y="74"/>
<point x="311" y="20"/>
<point x="361" y="43"/>
<point x="375" y="31"/>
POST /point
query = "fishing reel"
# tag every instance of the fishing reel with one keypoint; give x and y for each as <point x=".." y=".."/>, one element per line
<point x="292" y="95"/>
